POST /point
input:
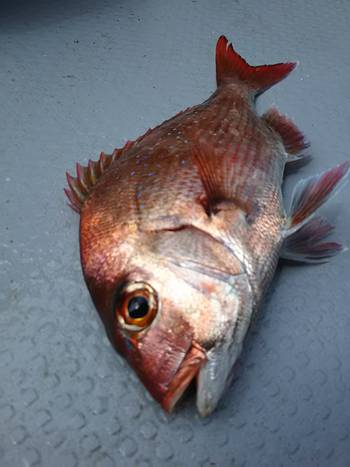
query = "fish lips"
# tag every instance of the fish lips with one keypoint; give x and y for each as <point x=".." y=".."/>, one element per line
<point x="166" y="376"/>
<point x="186" y="373"/>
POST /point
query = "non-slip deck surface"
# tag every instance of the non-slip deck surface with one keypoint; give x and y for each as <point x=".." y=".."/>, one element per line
<point x="78" y="77"/>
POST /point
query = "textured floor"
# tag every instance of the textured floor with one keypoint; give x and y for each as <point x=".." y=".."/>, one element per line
<point x="78" y="77"/>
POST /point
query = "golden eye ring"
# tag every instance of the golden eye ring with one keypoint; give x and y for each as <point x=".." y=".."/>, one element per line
<point x="137" y="307"/>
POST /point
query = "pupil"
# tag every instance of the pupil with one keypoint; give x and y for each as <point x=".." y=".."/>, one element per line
<point x="138" y="307"/>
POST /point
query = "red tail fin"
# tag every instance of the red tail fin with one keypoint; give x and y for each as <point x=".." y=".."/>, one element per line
<point x="232" y="67"/>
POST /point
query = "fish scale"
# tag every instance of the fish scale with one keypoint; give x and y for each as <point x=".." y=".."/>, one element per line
<point x="181" y="231"/>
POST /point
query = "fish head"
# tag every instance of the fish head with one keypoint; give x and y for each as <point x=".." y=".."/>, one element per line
<point x="173" y="304"/>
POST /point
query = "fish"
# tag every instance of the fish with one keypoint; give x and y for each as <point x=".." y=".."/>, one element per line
<point x="181" y="231"/>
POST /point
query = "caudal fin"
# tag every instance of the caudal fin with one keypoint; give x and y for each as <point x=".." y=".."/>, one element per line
<point x="230" y="66"/>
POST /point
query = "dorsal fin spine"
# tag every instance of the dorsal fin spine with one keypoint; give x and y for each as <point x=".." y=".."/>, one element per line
<point x="82" y="176"/>
<point x="72" y="200"/>
<point x="87" y="176"/>
<point x="92" y="172"/>
<point x="75" y="187"/>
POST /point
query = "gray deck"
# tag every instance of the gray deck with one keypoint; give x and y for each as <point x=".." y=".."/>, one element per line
<point x="78" y="77"/>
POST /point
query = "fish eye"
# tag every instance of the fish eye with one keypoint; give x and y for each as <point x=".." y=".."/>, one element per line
<point x="137" y="307"/>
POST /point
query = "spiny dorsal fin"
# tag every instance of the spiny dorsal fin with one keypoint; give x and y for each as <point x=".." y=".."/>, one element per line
<point x="230" y="66"/>
<point x="79" y="187"/>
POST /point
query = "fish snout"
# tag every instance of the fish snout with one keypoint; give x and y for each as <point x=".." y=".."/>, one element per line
<point x="167" y="372"/>
<point x="187" y="372"/>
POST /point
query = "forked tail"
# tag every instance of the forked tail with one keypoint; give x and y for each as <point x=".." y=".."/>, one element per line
<point x="231" y="67"/>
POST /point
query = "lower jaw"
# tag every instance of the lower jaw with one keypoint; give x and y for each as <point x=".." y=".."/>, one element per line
<point x="188" y="371"/>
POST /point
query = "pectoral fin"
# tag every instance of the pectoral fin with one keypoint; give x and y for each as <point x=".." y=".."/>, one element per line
<point x="220" y="178"/>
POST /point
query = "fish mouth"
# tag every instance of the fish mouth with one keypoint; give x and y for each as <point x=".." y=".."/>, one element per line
<point x="187" y="372"/>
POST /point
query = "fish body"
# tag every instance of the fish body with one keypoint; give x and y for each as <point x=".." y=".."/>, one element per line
<point x="182" y="229"/>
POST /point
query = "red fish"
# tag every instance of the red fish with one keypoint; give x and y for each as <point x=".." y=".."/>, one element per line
<point x="181" y="231"/>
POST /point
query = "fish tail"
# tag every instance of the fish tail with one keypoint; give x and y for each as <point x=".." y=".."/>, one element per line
<point x="230" y="67"/>
<point x="304" y="233"/>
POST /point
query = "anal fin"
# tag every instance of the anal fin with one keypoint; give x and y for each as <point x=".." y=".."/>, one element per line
<point x="293" y="139"/>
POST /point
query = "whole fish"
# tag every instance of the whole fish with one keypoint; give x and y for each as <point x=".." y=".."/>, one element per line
<point x="181" y="231"/>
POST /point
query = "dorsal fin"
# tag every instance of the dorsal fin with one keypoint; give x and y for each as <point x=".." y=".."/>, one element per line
<point x="79" y="187"/>
<point x="230" y="66"/>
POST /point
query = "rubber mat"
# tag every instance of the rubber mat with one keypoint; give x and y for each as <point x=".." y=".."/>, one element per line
<point x="78" y="77"/>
